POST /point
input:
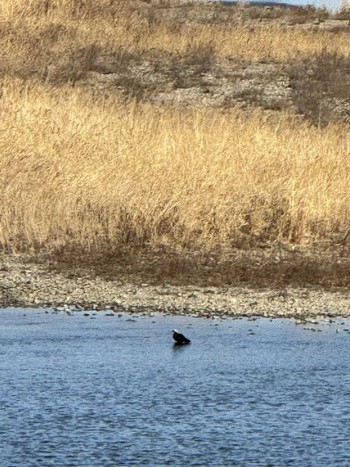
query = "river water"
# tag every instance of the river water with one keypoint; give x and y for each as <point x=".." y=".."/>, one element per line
<point x="112" y="391"/>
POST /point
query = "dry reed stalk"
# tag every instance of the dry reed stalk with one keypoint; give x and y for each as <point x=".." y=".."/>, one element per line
<point x="97" y="174"/>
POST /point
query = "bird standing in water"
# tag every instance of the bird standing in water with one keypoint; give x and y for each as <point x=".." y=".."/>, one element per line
<point x="179" y="338"/>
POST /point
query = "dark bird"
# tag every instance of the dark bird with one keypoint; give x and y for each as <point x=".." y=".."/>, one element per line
<point x="179" y="338"/>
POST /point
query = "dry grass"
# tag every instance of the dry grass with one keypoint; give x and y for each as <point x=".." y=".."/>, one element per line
<point x="100" y="174"/>
<point x="45" y="37"/>
<point x="95" y="172"/>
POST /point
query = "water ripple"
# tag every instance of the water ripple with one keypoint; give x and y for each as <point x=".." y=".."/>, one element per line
<point x="78" y="393"/>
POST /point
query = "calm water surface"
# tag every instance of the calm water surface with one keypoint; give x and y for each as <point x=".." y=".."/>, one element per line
<point x="76" y="391"/>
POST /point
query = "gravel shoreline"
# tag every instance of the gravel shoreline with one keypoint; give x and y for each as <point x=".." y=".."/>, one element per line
<point x="28" y="284"/>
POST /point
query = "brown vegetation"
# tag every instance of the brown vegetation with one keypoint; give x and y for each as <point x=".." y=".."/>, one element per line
<point x="92" y="162"/>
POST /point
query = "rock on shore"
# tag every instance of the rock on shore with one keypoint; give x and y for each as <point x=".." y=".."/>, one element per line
<point x="28" y="284"/>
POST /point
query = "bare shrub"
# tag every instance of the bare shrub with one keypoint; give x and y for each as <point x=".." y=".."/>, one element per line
<point x="201" y="56"/>
<point x="75" y="65"/>
<point x="316" y="82"/>
<point x="343" y="14"/>
<point x="304" y="14"/>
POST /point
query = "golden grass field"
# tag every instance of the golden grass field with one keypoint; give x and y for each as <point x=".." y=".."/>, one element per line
<point x="129" y="25"/>
<point x="77" y="170"/>
<point x="99" y="172"/>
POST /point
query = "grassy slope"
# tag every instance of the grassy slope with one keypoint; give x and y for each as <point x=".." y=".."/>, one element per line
<point x="87" y="169"/>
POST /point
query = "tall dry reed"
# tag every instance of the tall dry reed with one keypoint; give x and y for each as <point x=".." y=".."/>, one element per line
<point x="102" y="173"/>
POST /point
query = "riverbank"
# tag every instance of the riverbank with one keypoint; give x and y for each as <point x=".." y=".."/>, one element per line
<point x="187" y="158"/>
<point x="28" y="283"/>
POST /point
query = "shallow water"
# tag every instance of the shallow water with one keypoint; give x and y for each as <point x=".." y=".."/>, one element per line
<point x="77" y="391"/>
